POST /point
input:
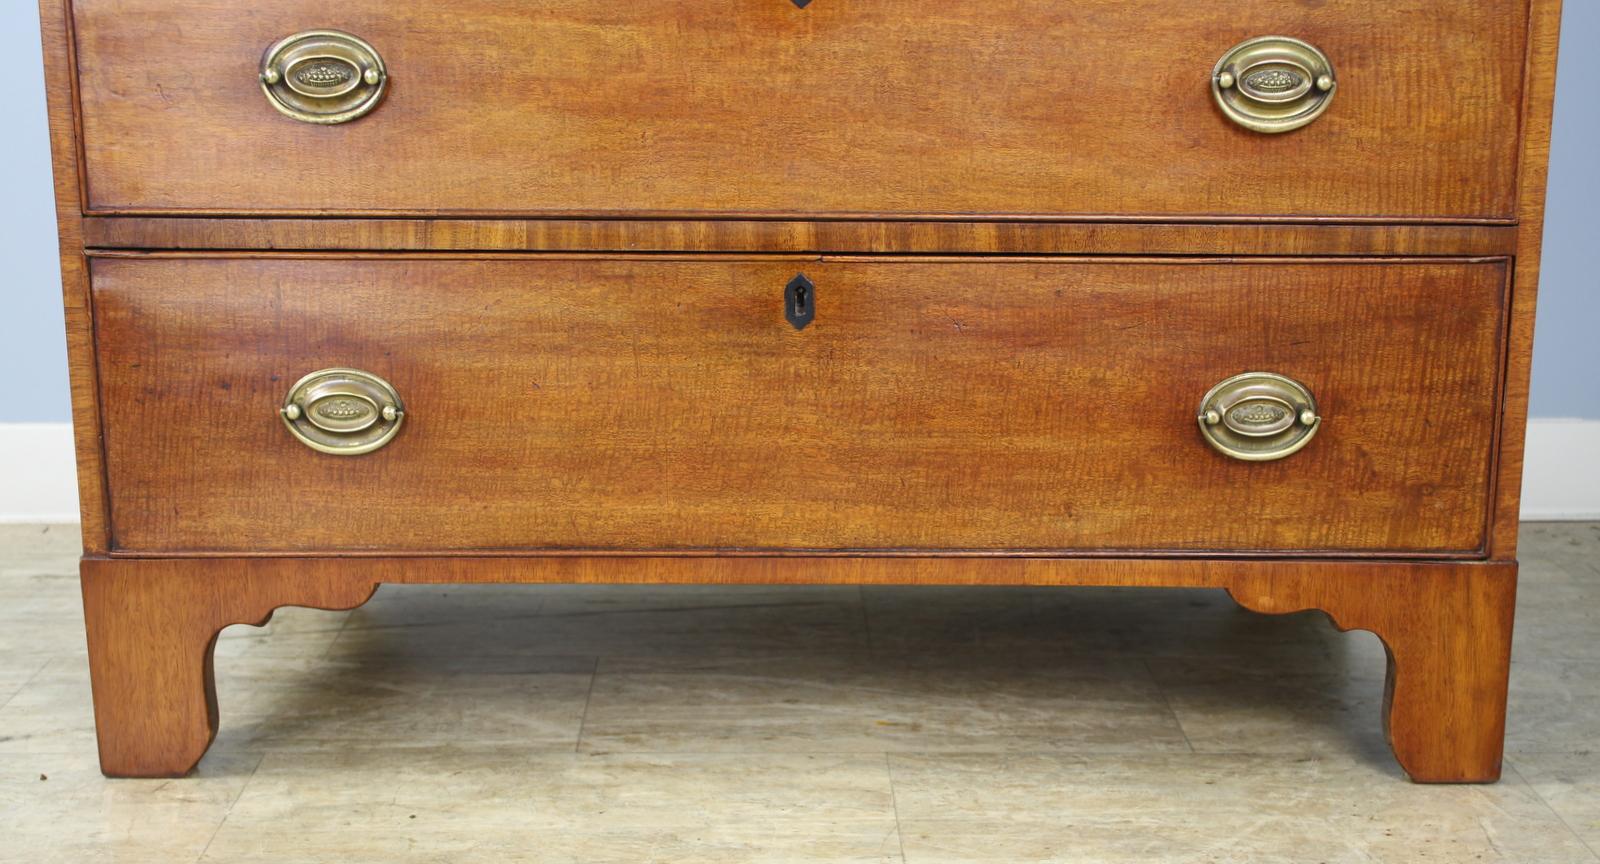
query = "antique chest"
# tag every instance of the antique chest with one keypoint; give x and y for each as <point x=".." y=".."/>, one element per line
<point x="1050" y="292"/>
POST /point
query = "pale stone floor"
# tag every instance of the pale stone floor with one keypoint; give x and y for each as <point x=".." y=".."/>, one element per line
<point x="601" y="724"/>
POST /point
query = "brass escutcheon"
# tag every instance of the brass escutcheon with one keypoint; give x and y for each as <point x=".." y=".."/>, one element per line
<point x="1273" y="84"/>
<point x="323" y="76"/>
<point x="345" y="412"/>
<point x="1259" y="416"/>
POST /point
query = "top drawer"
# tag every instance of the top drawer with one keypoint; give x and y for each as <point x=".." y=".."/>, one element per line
<point x="843" y="108"/>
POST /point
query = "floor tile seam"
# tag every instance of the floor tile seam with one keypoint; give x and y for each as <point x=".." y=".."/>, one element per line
<point x="552" y="753"/>
<point x="327" y="652"/>
<point x="344" y="623"/>
<point x="1349" y="755"/>
<point x="243" y="787"/>
<point x="1510" y="766"/>
<point x="1275" y="756"/>
<point x="26" y="682"/>
<point x="554" y="749"/>
<point x="588" y="699"/>
<point x="1166" y="700"/>
<point x="1142" y="753"/>
<point x="894" y="803"/>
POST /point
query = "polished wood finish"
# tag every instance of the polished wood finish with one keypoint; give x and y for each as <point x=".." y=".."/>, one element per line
<point x="663" y="235"/>
<point x="934" y="404"/>
<point x="795" y="139"/>
<point x="1447" y="627"/>
<point x="1448" y="637"/>
<point x="902" y="108"/>
<point x="152" y="631"/>
<point x="61" y="91"/>
<point x="1534" y="167"/>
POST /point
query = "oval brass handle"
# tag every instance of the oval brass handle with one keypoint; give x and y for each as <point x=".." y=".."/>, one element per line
<point x="323" y="76"/>
<point x="1273" y="84"/>
<point x="345" y="412"/>
<point x="1259" y="416"/>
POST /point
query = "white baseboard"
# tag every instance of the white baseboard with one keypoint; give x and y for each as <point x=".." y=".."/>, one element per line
<point x="38" y="473"/>
<point x="38" y="482"/>
<point x="1561" y="471"/>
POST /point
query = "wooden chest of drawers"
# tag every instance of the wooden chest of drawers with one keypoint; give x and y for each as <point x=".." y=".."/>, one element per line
<point x="1054" y="292"/>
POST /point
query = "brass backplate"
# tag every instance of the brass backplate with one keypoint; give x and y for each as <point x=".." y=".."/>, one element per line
<point x="1259" y="416"/>
<point x="323" y="76"/>
<point x="1273" y="84"/>
<point x="343" y="412"/>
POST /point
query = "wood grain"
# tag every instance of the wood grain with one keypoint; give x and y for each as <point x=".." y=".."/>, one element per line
<point x="667" y="404"/>
<point x="896" y="108"/>
<point x="1448" y="636"/>
<point x="938" y="403"/>
<point x="152" y="632"/>
<point x="662" y="235"/>
<point x="152" y="625"/>
<point x="55" y="25"/>
<point x="1533" y="178"/>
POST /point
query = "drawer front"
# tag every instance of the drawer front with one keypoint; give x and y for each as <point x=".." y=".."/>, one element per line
<point x="668" y="404"/>
<point x="891" y="108"/>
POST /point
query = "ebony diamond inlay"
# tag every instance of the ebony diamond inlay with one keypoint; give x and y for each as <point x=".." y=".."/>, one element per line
<point x="800" y="301"/>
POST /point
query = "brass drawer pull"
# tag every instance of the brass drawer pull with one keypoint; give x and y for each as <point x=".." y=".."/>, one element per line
<point x="1259" y="417"/>
<point x="1273" y="84"/>
<point x="345" y="412"/>
<point x="323" y="76"/>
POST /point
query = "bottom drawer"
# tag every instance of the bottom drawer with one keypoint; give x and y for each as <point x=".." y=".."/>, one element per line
<point x="669" y="404"/>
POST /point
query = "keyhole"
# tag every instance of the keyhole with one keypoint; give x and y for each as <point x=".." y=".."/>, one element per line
<point x="800" y="294"/>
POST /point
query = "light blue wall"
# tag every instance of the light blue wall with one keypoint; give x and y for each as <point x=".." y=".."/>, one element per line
<point x="33" y="348"/>
<point x="1566" y="346"/>
<point x="33" y="371"/>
